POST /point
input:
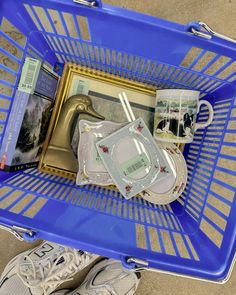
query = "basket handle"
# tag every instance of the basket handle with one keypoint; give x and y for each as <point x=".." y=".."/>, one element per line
<point x="22" y="234"/>
<point x="138" y="265"/>
<point x="201" y="29"/>
<point x="89" y="3"/>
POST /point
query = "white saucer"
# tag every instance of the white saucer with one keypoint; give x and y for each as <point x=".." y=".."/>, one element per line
<point x="133" y="159"/>
<point x="91" y="168"/>
<point x="169" y="189"/>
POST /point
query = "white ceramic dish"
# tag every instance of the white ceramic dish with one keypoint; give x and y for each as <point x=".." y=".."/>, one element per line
<point x="91" y="168"/>
<point x="133" y="159"/>
<point x="169" y="189"/>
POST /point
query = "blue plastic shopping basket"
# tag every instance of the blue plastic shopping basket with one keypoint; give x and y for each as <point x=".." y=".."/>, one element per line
<point x="195" y="235"/>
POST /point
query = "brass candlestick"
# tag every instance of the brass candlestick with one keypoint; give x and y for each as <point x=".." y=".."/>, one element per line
<point x="59" y="153"/>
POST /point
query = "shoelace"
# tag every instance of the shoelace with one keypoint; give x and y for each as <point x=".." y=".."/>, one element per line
<point x="48" y="277"/>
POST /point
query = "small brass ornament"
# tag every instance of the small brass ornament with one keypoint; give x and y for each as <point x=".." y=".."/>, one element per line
<point x="59" y="153"/>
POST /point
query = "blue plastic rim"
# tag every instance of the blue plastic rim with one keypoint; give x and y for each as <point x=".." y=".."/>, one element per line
<point x="193" y="236"/>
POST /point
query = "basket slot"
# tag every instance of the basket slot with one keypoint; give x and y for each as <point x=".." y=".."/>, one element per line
<point x="168" y="243"/>
<point x="12" y="32"/>
<point x="227" y="72"/>
<point x="56" y="21"/>
<point x="227" y="165"/>
<point x="183" y="248"/>
<point x="10" y="199"/>
<point x="10" y="47"/>
<point x="216" y="202"/>
<point x="5" y="191"/>
<point x="202" y="83"/>
<point x="231" y="127"/>
<point x="196" y="201"/>
<point x="3" y="116"/>
<point x="6" y="76"/>
<point x="21" y="204"/>
<point x="32" y="15"/>
<point x="152" y="216"/>
<point x="8" y="64"/>
<point x="74" y="197"/>
<point x="70" y="24"/>
<point x="216" y="217"/>
<point x="75" y="50"/>
<point x="198" y="188"/>
<point x="191" y="58"/>
<point x="228" y="152"/>
<point x="67" y="48"/>
<point x="141" y="236"/>
<point x="217" y="64"/>
<point x="232" y="77"/>
<point x="154" y="240"/>
<point x="193" y="251"/>
<point x="70" y="195"/>
<point x="203" y="60"/>
<point x="220" y="65"/>
<point x="169" y="222"/>
<point x="230" y="139"/>
<point x="222" y="192"/>
<point x="84" y="28"/>
<point x="233" y="113"/>
<point x="35" y="207"/>
<point x="210" y="85"/>
<point x="57" y="47"/>
<point x="226" y="177"/>
<point x="7" y="83"/>
<point x="211" y="231"/>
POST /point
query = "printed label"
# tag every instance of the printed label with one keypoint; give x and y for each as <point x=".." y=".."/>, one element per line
<point x="29" y="75"/>
<point x="133" y="166"/>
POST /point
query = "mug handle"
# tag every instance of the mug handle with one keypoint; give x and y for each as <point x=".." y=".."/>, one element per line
<point x="211" y="115"/>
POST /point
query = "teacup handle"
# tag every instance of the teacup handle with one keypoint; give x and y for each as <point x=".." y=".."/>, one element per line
<point x="211" y="115"/>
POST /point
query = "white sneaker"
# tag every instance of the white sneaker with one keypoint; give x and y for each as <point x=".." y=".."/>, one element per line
<point x="41" y="270"/>
<point x="107" y="277"/>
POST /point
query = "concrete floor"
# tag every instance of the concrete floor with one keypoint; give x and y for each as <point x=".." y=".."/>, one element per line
<point x="220" y="15"/>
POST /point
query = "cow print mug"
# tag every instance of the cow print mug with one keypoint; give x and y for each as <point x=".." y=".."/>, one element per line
<point x="175" y="115"/>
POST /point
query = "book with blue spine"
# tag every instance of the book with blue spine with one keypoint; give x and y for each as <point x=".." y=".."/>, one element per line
<point x="29" y="117"/>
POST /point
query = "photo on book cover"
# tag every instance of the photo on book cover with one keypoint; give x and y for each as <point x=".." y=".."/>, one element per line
<point x="33" y="130"/>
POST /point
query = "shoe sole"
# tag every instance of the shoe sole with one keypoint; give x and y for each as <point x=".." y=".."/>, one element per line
<point x="102" y="264"/>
